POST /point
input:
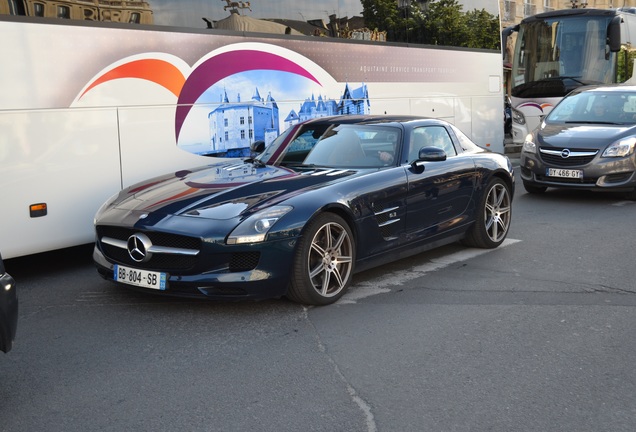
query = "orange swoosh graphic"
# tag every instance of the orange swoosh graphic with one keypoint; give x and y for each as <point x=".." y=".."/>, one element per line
<point x="158" y="71"/>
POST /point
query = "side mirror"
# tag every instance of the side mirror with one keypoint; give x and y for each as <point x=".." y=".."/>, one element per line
<point x="431" y="154"/>
<point x="257" y="147"/>
<point x="614" y="34"/>
<point x="428" y="154"/>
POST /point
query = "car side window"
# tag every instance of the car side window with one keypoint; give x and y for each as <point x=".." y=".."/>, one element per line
<point x="430" y="136"/>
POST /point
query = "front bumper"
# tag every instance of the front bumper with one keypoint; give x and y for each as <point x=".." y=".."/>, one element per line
<point x="268" y="278"/>
<point x="610" y="174"/>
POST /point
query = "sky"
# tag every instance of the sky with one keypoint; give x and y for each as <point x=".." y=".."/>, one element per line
<point x="190" y="13"/>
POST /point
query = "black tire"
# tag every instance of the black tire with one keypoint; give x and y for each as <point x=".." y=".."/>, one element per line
<point x="534" y="189"/>
<point x="323" y="261"/>
<point x="493" y="217"/>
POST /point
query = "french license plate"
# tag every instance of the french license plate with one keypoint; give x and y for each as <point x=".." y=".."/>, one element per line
<point x="142" y="278"/>
<point x="564" y="173"/>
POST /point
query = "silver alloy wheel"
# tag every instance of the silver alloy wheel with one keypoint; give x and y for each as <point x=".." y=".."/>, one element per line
<point x="497" y="212"/>
<point x="330" y="261"/>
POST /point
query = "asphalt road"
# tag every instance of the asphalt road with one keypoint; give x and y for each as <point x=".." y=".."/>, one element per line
<point x="537" y="335"/>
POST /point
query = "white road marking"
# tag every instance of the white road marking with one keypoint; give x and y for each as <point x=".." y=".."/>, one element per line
<point x="382" y="285"/>
<point x="623" y="203"/>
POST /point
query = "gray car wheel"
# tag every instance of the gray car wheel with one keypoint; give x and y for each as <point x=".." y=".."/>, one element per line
<point x="493" y="217"/>
<point x="323" y="263"/>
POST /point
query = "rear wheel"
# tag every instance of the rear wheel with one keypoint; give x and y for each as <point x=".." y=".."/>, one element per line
<point x="534" y="189"/>
<point x="493" y="217"/>
<point x="323" y="262"/>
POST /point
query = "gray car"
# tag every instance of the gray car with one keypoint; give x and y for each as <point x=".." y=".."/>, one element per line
<point x="8" y="309"/>
<point x="586" y="142"/>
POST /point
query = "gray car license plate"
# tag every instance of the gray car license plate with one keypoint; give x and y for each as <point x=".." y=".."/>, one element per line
<point x="564" y="173"/>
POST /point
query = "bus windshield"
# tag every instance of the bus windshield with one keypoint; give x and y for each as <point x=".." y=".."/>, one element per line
<point x="555" y="55"/>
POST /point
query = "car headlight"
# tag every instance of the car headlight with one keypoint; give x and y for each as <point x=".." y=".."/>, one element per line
<point x="621" y="148"/>
<point x="528" y="145"/>
<point x="518" y="117"/>
<point x="255" y="228"/>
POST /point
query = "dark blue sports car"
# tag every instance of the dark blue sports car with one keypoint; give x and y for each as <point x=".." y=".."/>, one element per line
<point x="328" y="198"/>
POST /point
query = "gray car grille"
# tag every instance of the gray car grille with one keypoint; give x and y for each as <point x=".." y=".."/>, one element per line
<point x="575" y="157"/>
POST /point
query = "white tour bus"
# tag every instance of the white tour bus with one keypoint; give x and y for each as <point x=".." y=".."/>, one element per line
<point x="96" y="95"/>
<point x="558" y="51"/>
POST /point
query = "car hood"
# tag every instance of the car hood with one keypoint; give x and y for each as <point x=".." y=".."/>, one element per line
<point x="582" y="136"/>
<point x="224" y="191"/>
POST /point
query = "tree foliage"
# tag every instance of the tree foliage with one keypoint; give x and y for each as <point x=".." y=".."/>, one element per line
<point x="442" y="22"/>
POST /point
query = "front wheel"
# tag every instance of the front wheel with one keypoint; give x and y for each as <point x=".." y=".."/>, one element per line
<point x="493" y="217"/>
<point x="323" y="262"/>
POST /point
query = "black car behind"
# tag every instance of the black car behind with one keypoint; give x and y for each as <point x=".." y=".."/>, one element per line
<point x="8" y="309"/>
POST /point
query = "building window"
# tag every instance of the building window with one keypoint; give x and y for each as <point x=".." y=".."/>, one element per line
<point x="242" y="134"/>
<point x="509" y="10"/>
<point x="251" y="134"/>
<point x="38" y="9"/>
<point x="64" y="12"/>
<point x="242" y="120"/>
<point x="135" y="18"/>
<point x="227" y="136"/>
<point x="16" y="8"/>
<point x="249" y="120"/>
<point x="225" y="123"/>
<point x="529" y="9"/>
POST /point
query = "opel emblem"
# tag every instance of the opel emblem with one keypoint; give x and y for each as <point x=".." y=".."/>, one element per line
<point x="138" y="247"/>
<point x="565" y="153"/>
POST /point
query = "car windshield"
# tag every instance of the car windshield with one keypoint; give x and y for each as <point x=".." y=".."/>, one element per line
<point x="342" y="146"/>
<point x="595" y="108"/>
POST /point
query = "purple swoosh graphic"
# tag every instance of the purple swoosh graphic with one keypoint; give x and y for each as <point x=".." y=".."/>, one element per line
<point x="223" y="65"/>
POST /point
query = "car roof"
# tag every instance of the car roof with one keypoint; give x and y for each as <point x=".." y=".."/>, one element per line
<point x="372" y="119"/>
<point x="608" y="88"/>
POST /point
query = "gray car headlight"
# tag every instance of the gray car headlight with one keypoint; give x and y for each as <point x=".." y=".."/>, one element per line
<point x="528" y="144"/>
<point x="621" y="148"/>
<point x="518" y="117"/>
<point x="255" y="228"/>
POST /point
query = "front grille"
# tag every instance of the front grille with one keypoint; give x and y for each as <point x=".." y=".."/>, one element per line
<point x="222" y="262"/>
<point x="165" y="262"/>
<point x="157" y="238"/>
<point x="572" y="160"/>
